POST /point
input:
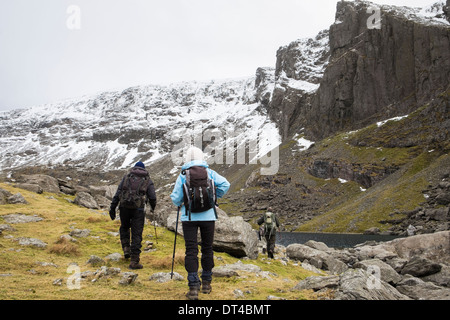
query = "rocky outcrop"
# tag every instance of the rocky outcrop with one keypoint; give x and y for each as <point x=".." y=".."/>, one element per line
<point x="432" y="216"/>
<point x="318" y="258"/>
<point x="364" y="174"/>
<point x="368" y="74"/>
<point x="447" y="10"/>
<point x="92" y="197"/>
<point x="24" y="241"/>
<point x="358" y="284"/>
<point x="416" y="267"/>
<point x="299" y="68"/>
<point x="7" y="197"/>
<point x="42" y="183"/>
<point x="379" y="73"/>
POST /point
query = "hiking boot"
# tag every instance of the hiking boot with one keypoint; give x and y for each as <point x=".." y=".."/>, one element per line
<point x="193" y="293"/>
<point x="126" y="252"/>
<point x="206" y="287"/>
<point x="134" y="265"/>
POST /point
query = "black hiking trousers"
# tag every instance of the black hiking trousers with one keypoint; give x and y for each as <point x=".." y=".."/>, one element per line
<point x="190" y="231"/>
<point x="131" y="228"/>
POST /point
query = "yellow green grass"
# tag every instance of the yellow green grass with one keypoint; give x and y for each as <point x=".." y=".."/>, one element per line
<point x="23" y="278"/>
<point x="398" y="193"/>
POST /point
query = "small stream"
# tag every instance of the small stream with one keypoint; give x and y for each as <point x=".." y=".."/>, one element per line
<point x="333" y="240"/>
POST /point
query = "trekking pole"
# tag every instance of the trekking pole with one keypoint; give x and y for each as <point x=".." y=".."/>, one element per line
<point x="175" y="241"/>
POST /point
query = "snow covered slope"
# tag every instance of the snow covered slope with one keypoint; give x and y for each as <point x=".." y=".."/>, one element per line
<point x="115" y="129"/>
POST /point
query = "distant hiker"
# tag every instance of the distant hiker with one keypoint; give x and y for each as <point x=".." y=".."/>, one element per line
<point x="135" y="189"/>
<point x="196" y="191"/>
<point x="271" y="224"/>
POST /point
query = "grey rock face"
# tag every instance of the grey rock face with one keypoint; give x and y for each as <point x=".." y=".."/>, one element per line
<point x="421" y="290"/>
<point x="357" y="284"/>
<point x="367" y="74"/>
<point x="42" y="183"/>
<point x="394" y="270"/>
<point x="390" y="70"/>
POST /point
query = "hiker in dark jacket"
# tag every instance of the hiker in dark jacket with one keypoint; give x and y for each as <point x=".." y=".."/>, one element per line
<point x="132" y="214"/>
<point x="271" y="224"/>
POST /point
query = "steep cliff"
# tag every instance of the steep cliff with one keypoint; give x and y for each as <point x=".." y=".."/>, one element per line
<point x="373" y="72"/>
<point x="298" y="72"/>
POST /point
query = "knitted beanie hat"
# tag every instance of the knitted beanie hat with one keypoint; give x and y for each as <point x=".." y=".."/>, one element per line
<point x="140" y="164"/>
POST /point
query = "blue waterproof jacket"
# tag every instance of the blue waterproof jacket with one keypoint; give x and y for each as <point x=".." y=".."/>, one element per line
<point x="221" y="183"/>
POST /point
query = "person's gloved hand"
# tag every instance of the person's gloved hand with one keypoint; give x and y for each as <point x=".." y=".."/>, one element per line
<point x="112" y="213"/>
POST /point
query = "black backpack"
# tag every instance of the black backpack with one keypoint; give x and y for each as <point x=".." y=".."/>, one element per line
<point x="199" y="191"/>
<point x="134" y="189"/>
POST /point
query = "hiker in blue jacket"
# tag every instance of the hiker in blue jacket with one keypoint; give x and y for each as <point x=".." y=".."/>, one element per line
<point x="205" y="221"/>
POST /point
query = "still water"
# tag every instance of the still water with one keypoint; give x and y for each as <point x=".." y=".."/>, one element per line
<point x="333" y="240"/>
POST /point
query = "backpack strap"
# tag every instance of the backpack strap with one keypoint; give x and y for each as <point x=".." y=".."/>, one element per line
<point x="187" y="191"/>
<point x="212" y="187"/>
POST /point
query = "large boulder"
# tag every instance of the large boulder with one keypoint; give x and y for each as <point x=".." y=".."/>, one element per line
<point x="358" y="284"/>
<point x="384" y="270"/>
<point x="84" y="199"/>
<point x="236" y="237"/>
<point x="421" y="267"/>
<point x="318" y="258"/>
<point x="30" y="187"/>
<point x="4" y="195"/>
<point x="433" y="246"/>
<point x="47" y="183"/>
<point x="317" y="283"/>
<point x="17" y="199"/>
<point x="7" y="197"/>
<point x="105" y="191"/>
<point x="420" y="290"/>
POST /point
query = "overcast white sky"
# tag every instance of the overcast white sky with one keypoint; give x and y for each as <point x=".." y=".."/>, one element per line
<point x="124" y="43"/>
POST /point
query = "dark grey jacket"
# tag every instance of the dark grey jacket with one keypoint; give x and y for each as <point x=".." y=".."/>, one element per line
<point x="151" y="195"/>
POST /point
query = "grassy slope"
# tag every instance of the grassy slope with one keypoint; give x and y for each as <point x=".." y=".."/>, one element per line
<point x="22" y="278"/>
<point x="401" y="191"/>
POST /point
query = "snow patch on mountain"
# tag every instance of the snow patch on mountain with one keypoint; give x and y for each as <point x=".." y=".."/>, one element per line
<point x="113" y="130"/>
